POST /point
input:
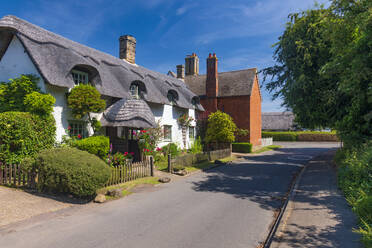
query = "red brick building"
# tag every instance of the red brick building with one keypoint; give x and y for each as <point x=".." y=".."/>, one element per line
<point x="236" y="93"/>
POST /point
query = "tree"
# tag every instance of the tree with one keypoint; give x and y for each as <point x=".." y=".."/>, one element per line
<point x="83" y="100"/>
<point x="323" y="70"/>
<point x="13" y="93"/>
<point x="221" y="128"/>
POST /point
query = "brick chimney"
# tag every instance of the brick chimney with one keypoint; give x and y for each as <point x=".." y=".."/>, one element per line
<point x="181" y="72"/>
<point x="127" y="48"/>
<point x="212" y="76"/>
<point x="192" y="64"/>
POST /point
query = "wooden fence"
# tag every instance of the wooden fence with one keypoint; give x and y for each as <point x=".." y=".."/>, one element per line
<point x="131" y="171"/>
<point x="13" y="175"/>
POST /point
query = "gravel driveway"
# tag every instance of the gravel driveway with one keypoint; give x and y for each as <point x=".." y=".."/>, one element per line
<point x="17" y="205"/>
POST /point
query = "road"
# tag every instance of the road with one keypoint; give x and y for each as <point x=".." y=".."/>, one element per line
<point x="230" y="206"/>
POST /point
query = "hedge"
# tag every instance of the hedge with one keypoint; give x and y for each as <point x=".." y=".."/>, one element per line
<point x="70" y="170"/>
<point x="355" y="180"/>
<point x="23" y="134"/>
<point x="242" y="147"/>
<point x="301" y="136"/>
<point x="97" y="145"/>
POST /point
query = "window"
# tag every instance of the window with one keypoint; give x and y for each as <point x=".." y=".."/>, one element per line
<point x="172" y="96"/>
<point x="191" y="133"/>
<point x="77" y="127"/>
<point x="79" y="77"/>
<point x="167" y="133"/>
<point x="134" y="91"/>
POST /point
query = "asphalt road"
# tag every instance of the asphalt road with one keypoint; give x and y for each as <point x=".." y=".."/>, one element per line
<point x="230" y="206"/>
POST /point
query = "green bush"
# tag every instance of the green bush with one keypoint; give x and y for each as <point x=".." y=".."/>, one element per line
<point x="97" y="145"/>
<point x="301" y="136"/>
<point x="40" y="104"/>
<point x="355" y="179"/>
<point x="171" y="149"/>
<point x="221" y="128"/>
<point x="24" y="134"/>
<point x="242" y="147"/>
<point x="70" y="170"/>
<point x="280" y="136"/>
<point x="196" y="146"/>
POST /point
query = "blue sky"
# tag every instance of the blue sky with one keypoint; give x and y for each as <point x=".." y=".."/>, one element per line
<point x="240" y="32"/>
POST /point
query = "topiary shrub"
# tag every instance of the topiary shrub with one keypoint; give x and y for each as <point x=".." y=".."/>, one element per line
<point x="242" y="147"/>
<point x="70" y="170"/>
<point x="97" y="145"/>
<point x="24" y="134"/>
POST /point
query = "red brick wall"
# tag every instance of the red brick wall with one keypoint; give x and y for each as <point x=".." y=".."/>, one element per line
<point x="245" y="111"/>
<point x="255" y="115"/>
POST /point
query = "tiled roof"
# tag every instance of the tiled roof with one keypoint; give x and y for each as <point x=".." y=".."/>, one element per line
<point x="278" y="121"/>
<point x="232" y="83"/>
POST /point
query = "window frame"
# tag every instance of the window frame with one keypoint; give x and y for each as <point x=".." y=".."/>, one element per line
<point x="193" y="133"/>
<point x="80" y="75"/>
<point x="134" y="88"/>
<point x="167" y="136"/>
<point x="84" y="129"/>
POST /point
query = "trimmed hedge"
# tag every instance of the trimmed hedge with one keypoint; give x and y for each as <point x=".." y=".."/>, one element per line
<point x="97" y="145"/>
<point x="242" y="147"/>
<point x="301" y="136"/>
<point x="23" y="134"/>
<point x="69" y="170"/>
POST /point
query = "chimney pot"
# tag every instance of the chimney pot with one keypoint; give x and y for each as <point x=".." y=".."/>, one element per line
<point x="181" y="72"/>
<point x="192" y="64"/>
<point x="127" y="48"/>
<point x="212" y="76"/>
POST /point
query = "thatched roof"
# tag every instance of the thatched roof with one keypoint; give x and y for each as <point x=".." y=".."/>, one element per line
<point x="231" y="83"/>
<point x="278" y="121"/>
<point x="55" y="57"/>
<point x="128" y="113"/>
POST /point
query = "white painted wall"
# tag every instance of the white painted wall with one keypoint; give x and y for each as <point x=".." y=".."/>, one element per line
<point x="168" y="115"/>
<point x="16" y="62"/>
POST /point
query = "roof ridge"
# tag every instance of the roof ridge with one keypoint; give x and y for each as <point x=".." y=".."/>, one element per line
<point x="248" y="69"/>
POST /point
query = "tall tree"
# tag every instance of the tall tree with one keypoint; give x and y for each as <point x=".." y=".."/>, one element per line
<point x="323" y="69"/>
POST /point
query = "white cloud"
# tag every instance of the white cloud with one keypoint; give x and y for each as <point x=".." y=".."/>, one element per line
<point x="186" y="7"/>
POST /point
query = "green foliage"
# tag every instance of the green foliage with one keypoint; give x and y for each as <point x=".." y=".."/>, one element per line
<point x="241" y="132"/>
<point x="40" y="104"/>
<point x="171" y="149"/>
<point x="70" y="170"/>
<point x="119" y="158"/>
<point x="323" y="69"/>
<point x="12" y="93"/>
<point x="85" y="99"/>
<point x="301" y="136"/>
<point x="221" y="128"/>
<point x="280" y="136"/>
<point x="97" y="145"/>
<point x="196" y="146"/>
<point x="242" y="147"/>
<point x="355" y="179"/>
<point x="24" y="134"/>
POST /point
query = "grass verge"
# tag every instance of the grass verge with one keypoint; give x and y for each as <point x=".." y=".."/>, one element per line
<point x="267" y="148"/>
<point x="126" y="187"/>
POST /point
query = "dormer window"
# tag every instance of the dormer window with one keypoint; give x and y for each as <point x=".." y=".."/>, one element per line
<point x="172" y="97"/>
<point x="134" y="91"/>
<point x="137" y="90"/>
<point x="79" y="77"/>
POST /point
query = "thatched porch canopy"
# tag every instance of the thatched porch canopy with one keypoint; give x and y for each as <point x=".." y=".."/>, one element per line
<point x="134" y="113"/>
